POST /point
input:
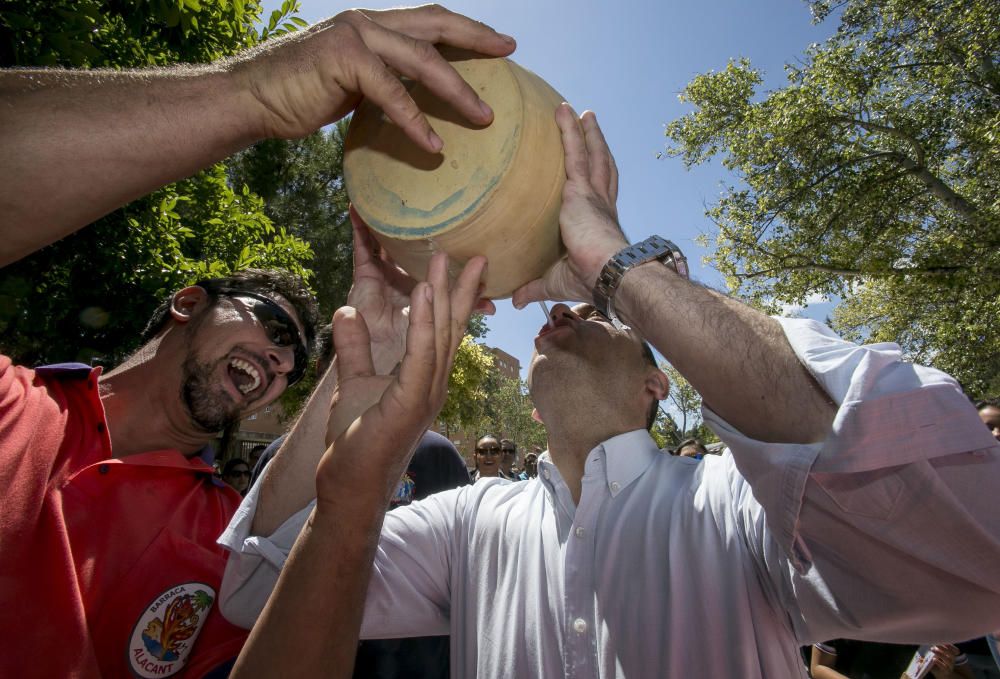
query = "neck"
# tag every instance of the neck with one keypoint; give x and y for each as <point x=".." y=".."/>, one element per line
<point x="570" y="446"/>
<point x="143" y="407"/>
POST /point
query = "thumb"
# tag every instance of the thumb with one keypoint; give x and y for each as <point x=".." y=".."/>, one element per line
<point x="532" y="291"/>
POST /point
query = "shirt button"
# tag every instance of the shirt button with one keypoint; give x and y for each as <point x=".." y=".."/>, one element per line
<point x="580" y="626"/>
<point x="547" y="474"/>
<point x="103" y="469"/>
<point x="615" y="486"/>
<point x="580" y="531"/>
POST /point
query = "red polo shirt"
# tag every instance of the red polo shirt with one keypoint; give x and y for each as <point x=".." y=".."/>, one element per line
<point x="108" y="567"/>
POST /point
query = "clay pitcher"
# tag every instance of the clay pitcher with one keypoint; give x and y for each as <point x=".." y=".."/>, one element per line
<point x="493" y="191"/>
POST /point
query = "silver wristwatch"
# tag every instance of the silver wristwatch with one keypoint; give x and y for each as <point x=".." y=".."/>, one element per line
<point x="652" y="248"/>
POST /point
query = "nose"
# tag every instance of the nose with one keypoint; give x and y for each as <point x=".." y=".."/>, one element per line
<point x="281" y="359"/>
<point x="561" y="311"/>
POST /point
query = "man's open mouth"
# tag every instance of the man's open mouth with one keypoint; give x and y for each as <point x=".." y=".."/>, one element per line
<point x="558" y="323"/>
<point x="244" y="375"/>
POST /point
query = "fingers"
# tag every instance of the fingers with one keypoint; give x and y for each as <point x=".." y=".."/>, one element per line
<point x="404" y="40"/>
<point x="353" y="344"/>
<point x="419" y="60"/>
<point x="465" y="296"/>
<point x="417" y="370"/>
<point x="574" y="144"/>
<point x="532" y="291"/>
<point x="370" y="76"/>
<point x="435" y="24"/>
<point x="437" y="276"/>
<point x="603" y="172"/>
<point x="364" y="244"/>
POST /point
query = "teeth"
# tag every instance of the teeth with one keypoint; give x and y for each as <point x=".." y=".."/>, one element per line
<point x="240" y="364"/>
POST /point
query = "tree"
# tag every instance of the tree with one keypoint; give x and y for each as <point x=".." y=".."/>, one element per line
<point x="90" y="294"/>
<point x="466" y="393"/>
<point x="302" y="184"/>
<point x="873" y="175"/>
<point x="683" y="402"/>
<point x="507" y="412"/>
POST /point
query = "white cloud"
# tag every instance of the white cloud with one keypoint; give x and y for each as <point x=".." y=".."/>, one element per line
<point x="792" y="310"/>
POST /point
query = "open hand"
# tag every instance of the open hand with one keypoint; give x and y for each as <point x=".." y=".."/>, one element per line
<point x="588" y="220"/>
<point x="309" y="79"/>
<point x="373" y="415"/>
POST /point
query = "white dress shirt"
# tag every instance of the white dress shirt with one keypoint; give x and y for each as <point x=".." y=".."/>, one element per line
<point x="675" y="567"/>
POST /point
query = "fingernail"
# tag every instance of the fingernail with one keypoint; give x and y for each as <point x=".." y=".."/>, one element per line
<point x="428" y="293"/>
<point x="435" y="141"/>
<point x="485" y="108"/>
<point x="506" y="38"/>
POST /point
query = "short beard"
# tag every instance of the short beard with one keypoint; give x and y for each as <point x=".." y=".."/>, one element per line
<point x="210" y="407"/>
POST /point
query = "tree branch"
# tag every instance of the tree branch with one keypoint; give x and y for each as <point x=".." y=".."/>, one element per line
<point x="889" y="272"/>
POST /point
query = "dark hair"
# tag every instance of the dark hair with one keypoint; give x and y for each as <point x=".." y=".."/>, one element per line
<point x="324" y="347"/>
<point x="261" y="281"/>
<point x="231" y="465"/>
<point x="690" y="442"/>
<point x="993" y="402"/>
<point x="654" y="406"/>
<point x="503" y="441"/>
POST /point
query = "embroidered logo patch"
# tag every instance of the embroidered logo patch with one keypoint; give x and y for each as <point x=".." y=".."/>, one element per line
<point x="165" y="633"/>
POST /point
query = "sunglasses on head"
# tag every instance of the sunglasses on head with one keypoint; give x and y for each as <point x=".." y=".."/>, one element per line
<point x="279" y="326"/>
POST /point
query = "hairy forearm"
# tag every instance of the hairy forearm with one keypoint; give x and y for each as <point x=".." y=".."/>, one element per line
<point x="289" y="482"/>
<point x="311" y="623"/>
<point x="736" y="357"/>
<point x="78" y="144"/>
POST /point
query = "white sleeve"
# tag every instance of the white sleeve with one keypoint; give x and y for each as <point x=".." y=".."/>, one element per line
<point x="254" y="560"/>
<point x="887" y="529"/>
<point x="409" y="591"/>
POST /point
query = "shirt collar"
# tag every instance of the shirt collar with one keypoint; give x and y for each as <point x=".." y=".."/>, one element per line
<point x="626" y="458"/>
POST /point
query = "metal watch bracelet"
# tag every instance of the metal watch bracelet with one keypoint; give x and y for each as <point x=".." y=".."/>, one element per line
<point x="628" y="258"/>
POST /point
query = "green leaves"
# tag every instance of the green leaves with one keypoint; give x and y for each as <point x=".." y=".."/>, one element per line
<point x="91" y="294"/>
<point x="873" y="175"/>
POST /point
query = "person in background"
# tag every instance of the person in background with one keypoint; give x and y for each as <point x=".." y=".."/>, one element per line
<point x="531" y="465"/>
<point x="253" y="457"/>
<point x="487" y="458"/>
<point x="691" y="448"/>
<point x="236" y="473"/>
<point x="508" y="458"/>
<point x="989" y="413"/>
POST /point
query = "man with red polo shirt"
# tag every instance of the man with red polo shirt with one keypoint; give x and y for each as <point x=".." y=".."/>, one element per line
<point x="109" y="536"/>
<point x="108" y="562"/>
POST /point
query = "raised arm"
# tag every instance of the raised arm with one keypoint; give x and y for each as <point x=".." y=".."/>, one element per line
<point x="736" y="357"/>
<point x="381" y="294"/>
<point x="312" y="620"/>
<point x="78" y="144"/>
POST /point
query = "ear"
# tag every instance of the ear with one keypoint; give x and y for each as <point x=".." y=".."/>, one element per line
<point x="657" y="384"/>
<point x="186" y="303"/>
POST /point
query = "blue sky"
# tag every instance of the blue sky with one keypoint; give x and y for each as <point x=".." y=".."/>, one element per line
<point x="627" y="61"/>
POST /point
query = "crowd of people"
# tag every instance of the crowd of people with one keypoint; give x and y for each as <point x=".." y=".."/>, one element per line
<point x="854" y="499"/>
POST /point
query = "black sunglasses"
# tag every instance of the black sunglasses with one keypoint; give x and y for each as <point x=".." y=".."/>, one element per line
<point x="280" y="328"/>
<point x="488" y="451"/>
